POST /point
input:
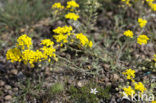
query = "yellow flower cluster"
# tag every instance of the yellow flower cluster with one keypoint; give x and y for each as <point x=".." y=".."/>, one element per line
<point x="61" y="38"/>
<point x="153" y="101"/>
<point x="14" y="55"/>
<point x="129" y="91"/>
<point x="63" y="33"/>
<point x="142" y="22"/>
<point x="129" y="73"/>
<point x="137" y="86"/>
<point x="48" y="49"/>
<point x="152" y="4"/>
<point x="47" y="42"/>
<point x="128" y="33"/>
<point x="72" y="16"/>
<point x="142" y="39"/>
<point x="49" y="52"/>
<point x="24" y="42"/>
<point x="72" y="4"/>
<point x="66" y="31"/>
<point x="63" y="30"/>
<point x="23" y="52"/>
<point x="84" y="40"/>
<point x="30" y="56"/>
<point x="57" y="6"/>
<point x="154" y="58"/>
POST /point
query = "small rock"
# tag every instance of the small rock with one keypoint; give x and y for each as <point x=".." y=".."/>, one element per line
<point x="47" y="71"/>
<point x="20" y="75"/>
<point x="115" y="77"/>
<point x="8" y="87"/>
<point x="81" y="83"/>
<point x="8" y="97"/>
<point x="14" y="71"/>
<point x="69" y="81"/>
<point x="106" y="79"/>
<point x="2" y="83"/>
<point x="15" y="89"/>
<point x="106" y="67"/>
<point x="10" y="92"/>
<point x="108" y="84"/>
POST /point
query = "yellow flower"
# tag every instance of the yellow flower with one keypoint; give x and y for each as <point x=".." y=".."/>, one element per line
<point x="63" y="30"/>
<point x="142" y="39"/>
<point x="142" y="22"/>
<point x="14" y="55"/>
<point x="154" y="58"/>
<point x="129" y="91"/>
<point x="149" y="0"/>
<point x="57" y="6"/>
<point x="23" y="53"/>
<point x="90" y="44"/>
<point x="61" y="38"/>
<point x="48" y="52"/>
<point x="84" y="40"/>
<point x="152" y="4"/>
<point x="30" y="56"/>
<point x="153" y="101"/>
<point x="72" y="16"/>
<point x="24" y="42"/>
<point x="129" y="73"/>
<point x="72" y="4"/>
<point x="63" y="34"/>
<point x="129" y="33"/>
<point x="127" y="2"/>
<point x="139" y="86"/>
<point x="47" y="42"/>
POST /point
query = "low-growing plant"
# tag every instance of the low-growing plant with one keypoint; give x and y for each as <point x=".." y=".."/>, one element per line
<point x="84" y="95"/>
<point x="56" y="89"/>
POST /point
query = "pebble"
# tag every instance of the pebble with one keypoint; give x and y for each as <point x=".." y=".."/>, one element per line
<point x="81" y="83"/>
<point x="8" y="97"/>
<point x="2" y="83"/>
<point x="106" y="67"/>
<point x="10" y="92"/>
<point x="8" y="87"/>
<point x="106" y="79"/>
<point x="115" y="77"/>
<point x="108" y="84"/>
<point x="14" y="71"/>
<point x="15" y="89"/>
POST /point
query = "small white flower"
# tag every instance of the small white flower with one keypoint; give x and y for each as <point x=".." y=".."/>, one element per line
<point x="93" y="91"/>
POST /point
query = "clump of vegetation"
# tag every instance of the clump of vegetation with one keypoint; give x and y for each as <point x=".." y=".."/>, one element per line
<point x="56" y="89"/>
<point x="84" y="95"/>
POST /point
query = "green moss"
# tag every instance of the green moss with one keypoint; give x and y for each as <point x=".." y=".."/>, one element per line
<point x="56" y="89"/>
